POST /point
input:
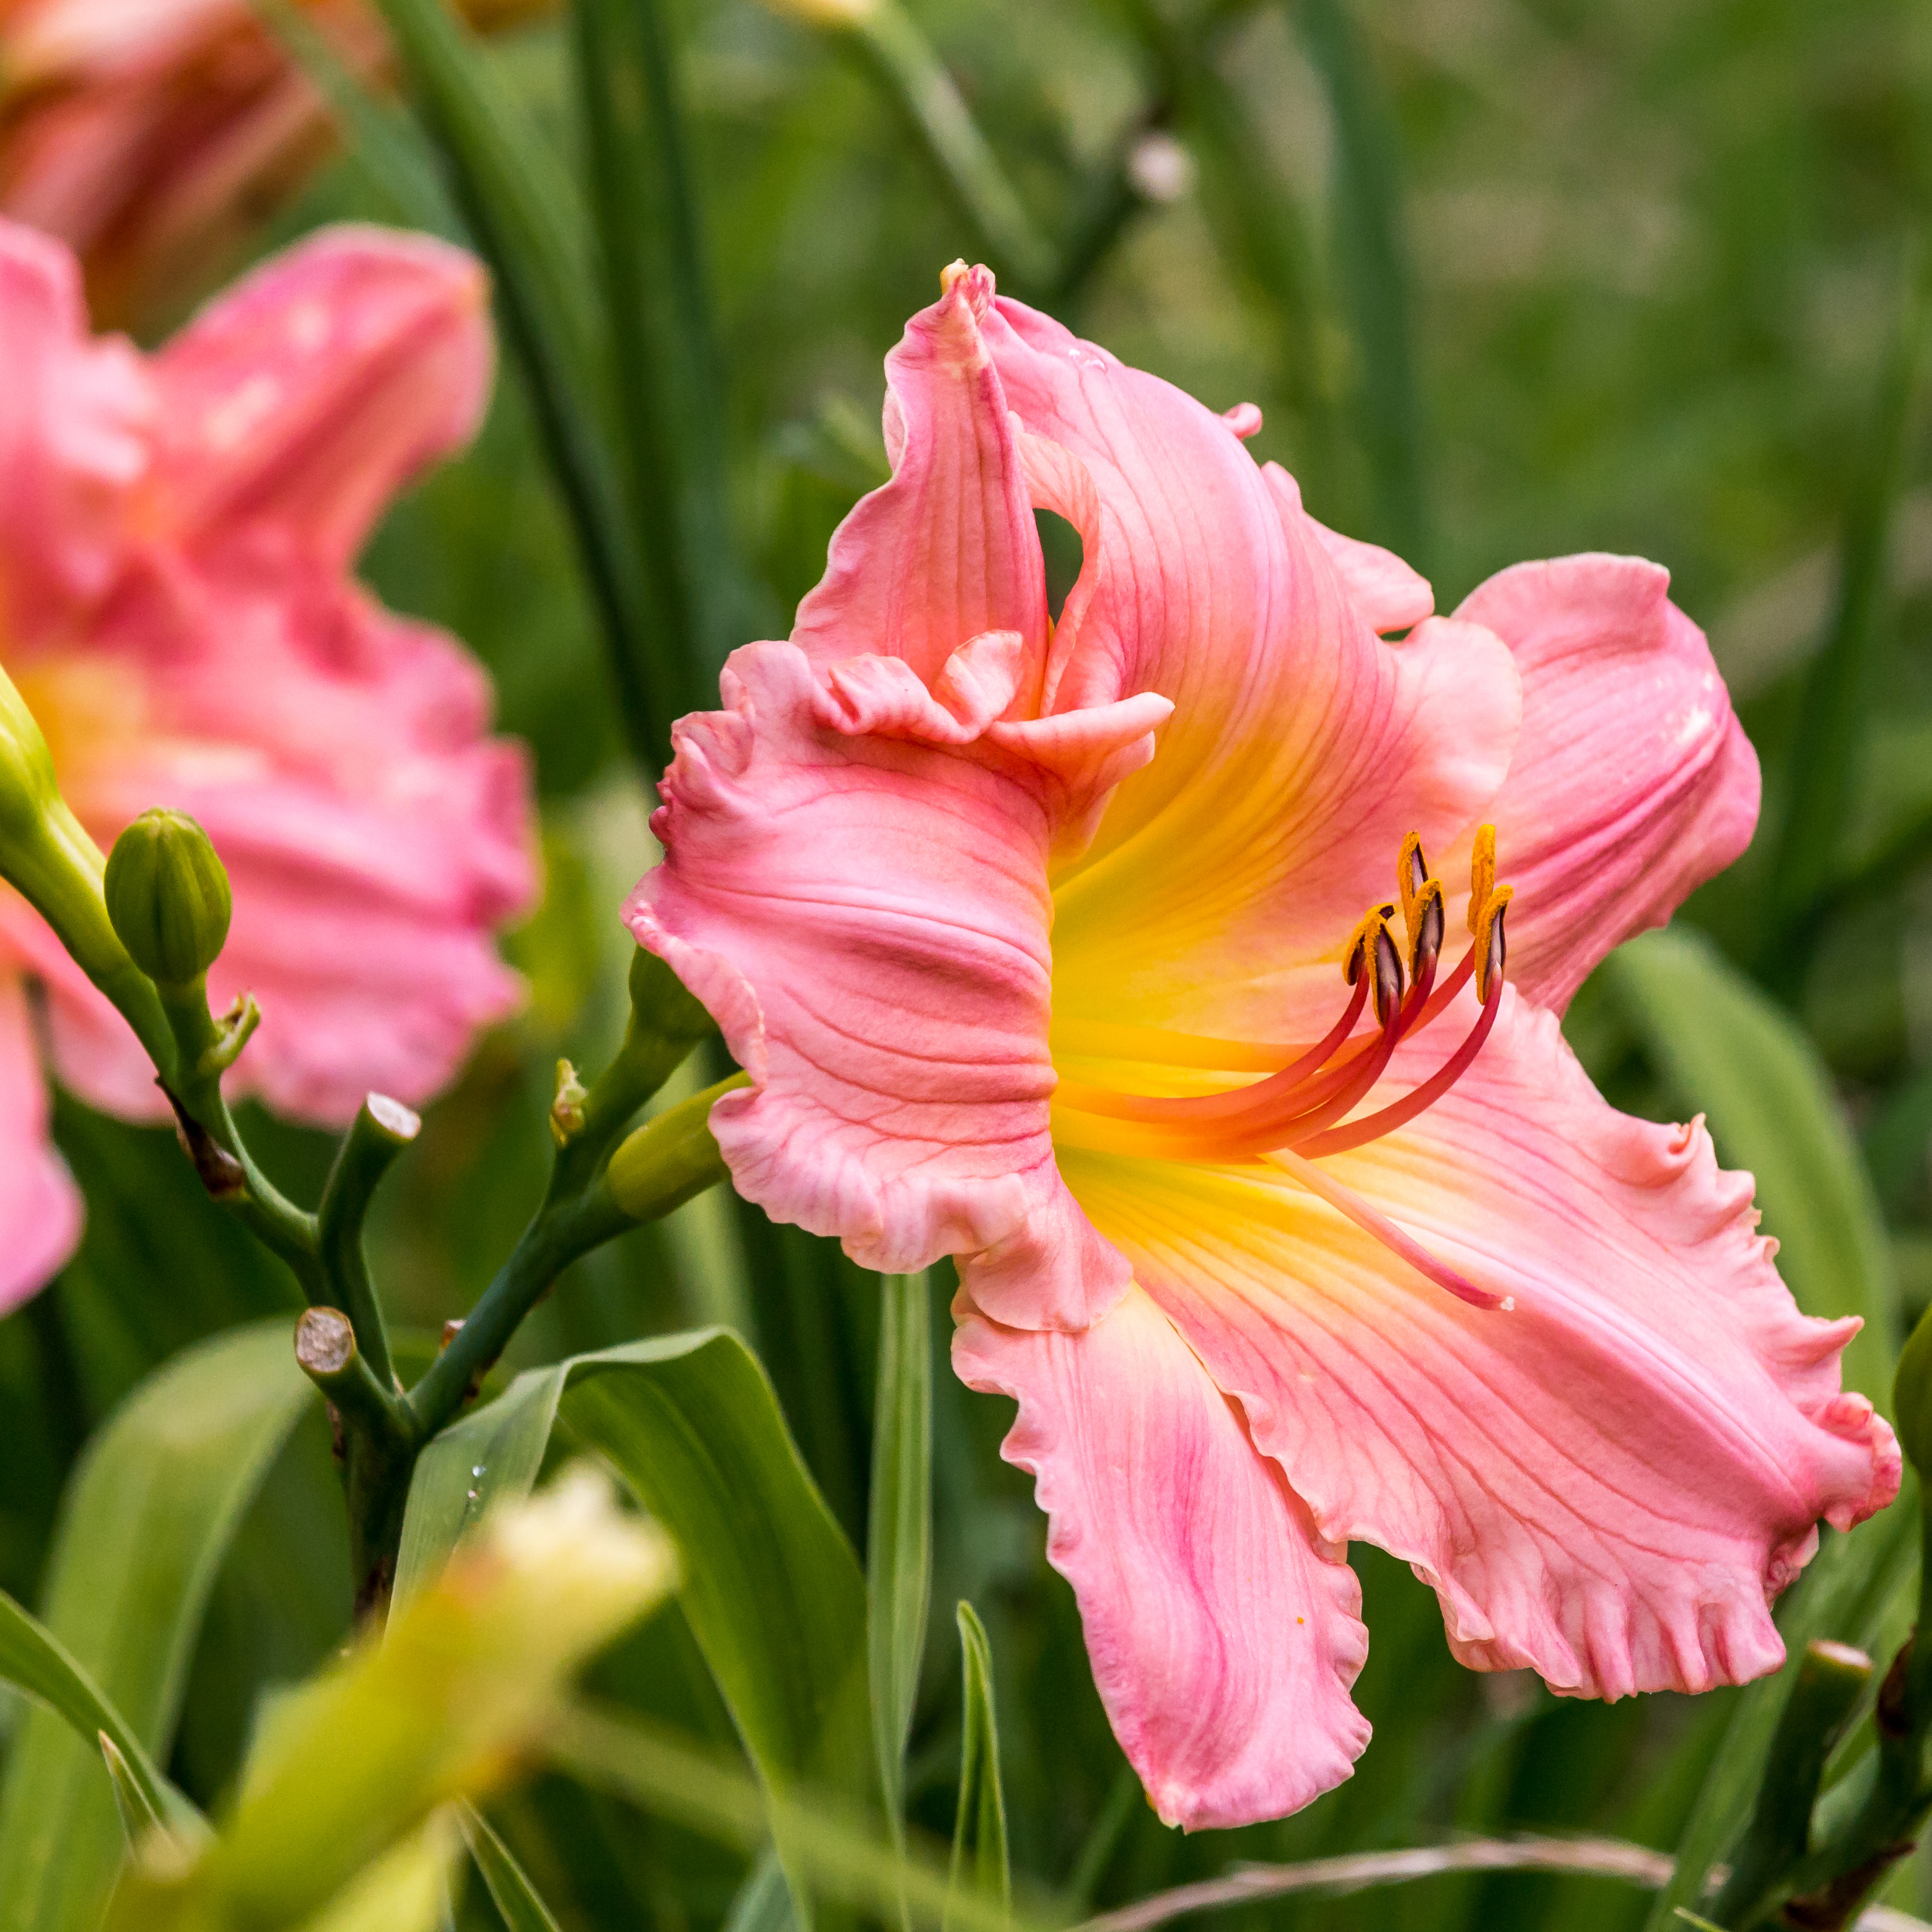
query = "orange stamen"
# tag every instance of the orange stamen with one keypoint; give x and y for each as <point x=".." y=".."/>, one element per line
<point x="1299" y="1113"/>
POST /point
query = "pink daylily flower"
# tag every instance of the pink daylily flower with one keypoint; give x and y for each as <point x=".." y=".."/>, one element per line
<point x="176" y="532"/>
<point x="152" y="134"/>
<point x="1072" y="951"/>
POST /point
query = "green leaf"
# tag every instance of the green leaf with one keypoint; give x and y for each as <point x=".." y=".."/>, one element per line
<point x="139" y="1814"/>
<point x="146" y="1518"/>
<point x="32" y="1658"/>
<point x="762" y="1903"/>
<point x="771" y="1590"/>
<point x="460" y="1686"/>
<point x="1824" y="766"/>
<point x="898" y="1546"/>
<point x="397" y="159"/>
<point x="838" y="1850"/>
<point x="530" y="222"/>
<point x="1847" y="1592"/>
<point x="670" y="406"/>
<point x="979" y="1830"/>
<point x="509" y="1887"/>
<point x="1367" y="221"/>
<point x="1723" y="1047"/>
<point x="495" y="1451"/>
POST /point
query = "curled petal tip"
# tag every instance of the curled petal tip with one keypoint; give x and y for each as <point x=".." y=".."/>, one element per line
<point x="973" y="281"/>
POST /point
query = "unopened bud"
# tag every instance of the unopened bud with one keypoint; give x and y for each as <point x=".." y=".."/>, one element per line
<point x="28" y="786"/>
<point x="167" y="894"/>
<point x="566" y="1110"/>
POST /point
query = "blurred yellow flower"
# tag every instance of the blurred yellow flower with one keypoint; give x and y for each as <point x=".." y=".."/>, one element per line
<point x="348" y="1770"/>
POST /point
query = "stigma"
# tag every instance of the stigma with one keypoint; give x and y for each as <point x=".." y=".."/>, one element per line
<point x="1306" y="1108"/>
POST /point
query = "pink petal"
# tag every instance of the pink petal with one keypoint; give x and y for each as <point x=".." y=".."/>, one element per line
<point x="376" y="836"/>
<point x="1632" y="782"/>
<point x="947" y="550"/>
<point x="866" y="916"/>
<point x="1389" y="594"/>
<point x="1224" y="1632"/>
<point x="74" y="418"/>
<point x="1302" y="748"/>
<point x="309" y="394"/>
<point x="1607" y="1482"/>
<point x="40" y="1206"/>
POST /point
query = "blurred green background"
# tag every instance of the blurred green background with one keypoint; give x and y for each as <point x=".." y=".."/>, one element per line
<point x="1508" y="278"/>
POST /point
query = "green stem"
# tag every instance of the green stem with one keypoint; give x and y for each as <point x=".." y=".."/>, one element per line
<point x="659" y="1167"/>
<point x="901" y="60"/>
<point x="200" y="1051"/>
<point x="381" y="1130"/>
<point x="669" y="400"/>
<point x="548" y="1247"/>
<point x="665" y="1023"/>
<point x="1368" y="226"/>
<point x="1832" y="1677"/>
<point x="1866" y="1823"/>
<point x="379" y="1448"/>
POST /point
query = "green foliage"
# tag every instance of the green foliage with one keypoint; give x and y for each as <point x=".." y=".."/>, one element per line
<point x="33" y="1659"/>
<point x="1522" y="280"/>
<point x="980" y="1860"/>
<point x="1729" y="1050"/>
<point x="511" y="1891"/>
<point x="771" y="1589"/>
<point x="148" y="1514"/>
<point x="898" y="1546"/>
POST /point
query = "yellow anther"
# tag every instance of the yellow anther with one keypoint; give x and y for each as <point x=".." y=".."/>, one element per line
<point x="1373" y="924"/>
<point x="1487" y="926"/>
<point x="1482" y="872"/>
<point x="1411" y="873"/>
<point x="1426" y="920"/>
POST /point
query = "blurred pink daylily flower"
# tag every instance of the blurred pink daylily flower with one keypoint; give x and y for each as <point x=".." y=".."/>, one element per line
<point x="151" y="135"/>
<point x="175" y="536"/>
<point x="1011" y="987"/>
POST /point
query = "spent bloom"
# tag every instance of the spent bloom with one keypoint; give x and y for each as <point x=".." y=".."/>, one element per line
<point x="1152" y="964"/>
<point x="177" y="612"/>
<point x="149" y="134"/>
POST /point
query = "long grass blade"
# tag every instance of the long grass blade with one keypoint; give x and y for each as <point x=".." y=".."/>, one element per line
<point x="669" y="399"/>
<point x="391" y="149"/>
<point x="1374" y="273"/>
<point x="1824" y="765"/>
<point x="898" y="1581"/>
<point x="660" y="1772"/>
<point x="981" y="1863"/>
<point x="901" y="60"/>
<point x="530" y="223"/>
<point x="507" y="1884"/>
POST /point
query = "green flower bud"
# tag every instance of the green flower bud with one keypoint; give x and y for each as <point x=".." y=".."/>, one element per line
<point x="28" y="787"/>
<point x="46" y="856"/>
<point x="167" y="894"/>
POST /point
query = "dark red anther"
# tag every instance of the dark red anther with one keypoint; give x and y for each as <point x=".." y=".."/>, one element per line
<point x="1388" y="975"/>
